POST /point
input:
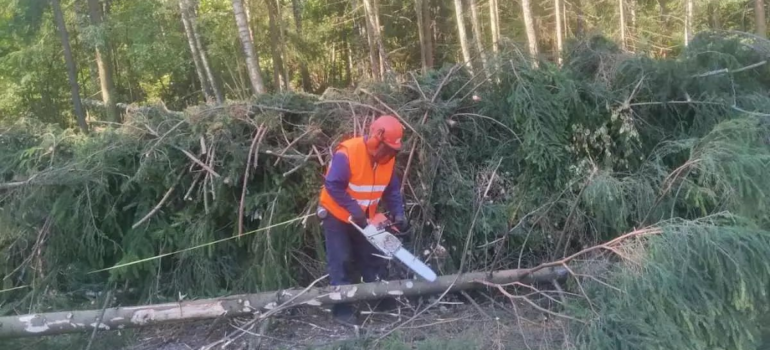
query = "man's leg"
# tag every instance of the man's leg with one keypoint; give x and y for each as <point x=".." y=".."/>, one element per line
<point x="373" y="268"/>
<point x="338" y="256"/>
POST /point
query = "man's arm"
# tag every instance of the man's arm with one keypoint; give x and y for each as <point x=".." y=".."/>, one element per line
<point x="392" y="197"/>
<point x="336" y="184"/>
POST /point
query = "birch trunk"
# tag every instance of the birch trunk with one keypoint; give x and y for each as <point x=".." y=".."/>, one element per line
<point x="463" y="38"/>
<point x="559" y="38"/>
<point x="371" y="11"/>
<point x="759" y="13"/>
<point x="423" y="26"/>
<point x="250" y="304"/>
<point x="275" y="44"/>
<point x="580" y="30"/>
<point x="374" y="58"/>
<point x="307" y="84"/>
<point x="622" y="24"/>
<point x="208" y="93"/>
<point x="477" y="37"/>
<point x="192" y="17"/>
<point x="494" y="24"/>
<point x="252" y="60"/>
<point x="634" y="36"/>
<point x="104" y="63"/>
<point x="529" y="23"/>
<point x="688" y="23"/>
<point x="72" y="75"/>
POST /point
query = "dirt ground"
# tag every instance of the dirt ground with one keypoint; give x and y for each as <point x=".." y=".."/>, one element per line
<point x="454" y="324"/>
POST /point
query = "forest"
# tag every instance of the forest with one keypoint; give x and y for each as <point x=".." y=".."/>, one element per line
<point x="166" y="151"/>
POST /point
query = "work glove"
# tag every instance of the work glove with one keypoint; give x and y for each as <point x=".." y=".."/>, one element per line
<point x="404" y="230"/>
<point x="402" y="224"/>
<point x="360" y="221"/>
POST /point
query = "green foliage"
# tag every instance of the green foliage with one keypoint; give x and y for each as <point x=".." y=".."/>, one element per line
<point x="701" y="285"/>
<point x="548" y="161"/>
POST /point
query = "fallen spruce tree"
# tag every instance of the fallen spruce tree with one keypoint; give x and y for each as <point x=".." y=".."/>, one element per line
<point x="504" y="173"/>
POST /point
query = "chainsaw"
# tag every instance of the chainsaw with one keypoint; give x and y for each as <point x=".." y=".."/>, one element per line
<point x="380" y="233"/>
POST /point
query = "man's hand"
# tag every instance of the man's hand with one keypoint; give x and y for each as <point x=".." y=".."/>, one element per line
<point x="360" y="221"/>
<point x="402" y="224"/>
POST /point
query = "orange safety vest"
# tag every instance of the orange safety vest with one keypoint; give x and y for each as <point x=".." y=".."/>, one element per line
<point x="367" y="181"/>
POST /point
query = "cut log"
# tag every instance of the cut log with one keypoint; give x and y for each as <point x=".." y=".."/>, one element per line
<point x="249" y="304"/>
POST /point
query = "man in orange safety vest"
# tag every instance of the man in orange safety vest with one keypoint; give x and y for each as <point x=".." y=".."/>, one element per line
<point x="360" y="175"/>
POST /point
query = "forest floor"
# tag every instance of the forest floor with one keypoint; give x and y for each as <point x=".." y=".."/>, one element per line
<point x="447" y="326"/>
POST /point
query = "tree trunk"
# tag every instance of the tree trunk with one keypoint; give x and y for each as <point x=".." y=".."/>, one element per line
<point x="759" y="13"/>
<point x="663" y="11"/>
<point x="622" y="24"/>
<point x="371" y="10"/>
<point x="477" y="37"/>
<point x="688" y="23"/>
<point x="634" y="36"/>
<point x="374" y="58"/>
<point x="494" y="24"/>
<point x="423" y="26"/>
<point x="581" y="22"/>
<point x="559" y="39"/>
<point x="248" y="304"/>
<point x="529" y="23"/>
<point x="104" y="63"/>
<point x="275" y="44"/>
<point x="462" y="37"/>
<point x="192" y="17"/>
<point x="307" y="84"/>
<point x="208" y="93"/>
<point x="384" y="62"/>
<point x="72" y="76"/>
<point x="252" y="60"/>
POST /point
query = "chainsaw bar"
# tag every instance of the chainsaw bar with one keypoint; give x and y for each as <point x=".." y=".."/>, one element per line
<point x="391" y="246"/>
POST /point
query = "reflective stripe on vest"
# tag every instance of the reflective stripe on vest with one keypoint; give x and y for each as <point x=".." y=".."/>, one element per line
<point x="367" y="182"/>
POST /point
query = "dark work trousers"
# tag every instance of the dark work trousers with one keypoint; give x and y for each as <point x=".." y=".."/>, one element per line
<point x="347" y="250"/>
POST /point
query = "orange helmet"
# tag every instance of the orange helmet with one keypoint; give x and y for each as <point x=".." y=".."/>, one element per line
<point x="388" y="130"/>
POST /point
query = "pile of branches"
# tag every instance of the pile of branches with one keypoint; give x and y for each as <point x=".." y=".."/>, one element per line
<point x="508" y="169"/>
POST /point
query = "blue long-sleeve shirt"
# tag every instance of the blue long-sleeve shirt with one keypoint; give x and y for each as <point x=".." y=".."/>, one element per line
<point x="336" y="184"/>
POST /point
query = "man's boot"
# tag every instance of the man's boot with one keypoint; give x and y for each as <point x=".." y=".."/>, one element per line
<point x="344" y="314"/>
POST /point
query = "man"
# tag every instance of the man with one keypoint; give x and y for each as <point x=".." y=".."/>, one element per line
<point x="361" y="173"/>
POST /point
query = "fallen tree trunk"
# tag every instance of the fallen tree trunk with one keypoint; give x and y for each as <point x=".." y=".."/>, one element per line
<point x="248" y="304"/>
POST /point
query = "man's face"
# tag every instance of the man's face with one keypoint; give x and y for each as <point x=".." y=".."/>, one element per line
<point x="384" y="154"/>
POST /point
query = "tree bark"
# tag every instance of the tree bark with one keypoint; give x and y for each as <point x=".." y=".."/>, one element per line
<point x="72" y="76"/>
<point x="462" y="36"/>
<point x="477" y="37"/>
<point x="208" y="92"/>
<point x="622" y="24"/>
<point x="104" y="63"/>
<point x="529" y="23"/>
<point x="634" y="36"/>
<point x="371" y="10"/>
<point x="581" y="23"/>
<point x="307" y="84"/>
<point x="248" y="304"/>
<point x="759" y="13"/>
<point x="559" y="38"/>
<point x="252" y="60"/>
<point x="426" y="38"/>
<point x="688" y="22"/>
<point x="374" y="58"/>
<point x="275" y="44"/>
<point x="663" y="12"/>
<point x="192" y="17"/>
<point x="494" y="24"/>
